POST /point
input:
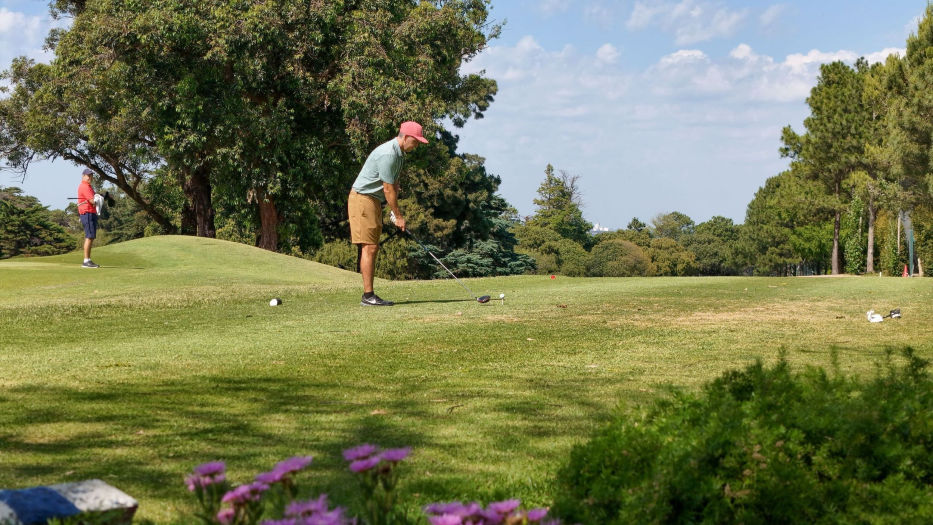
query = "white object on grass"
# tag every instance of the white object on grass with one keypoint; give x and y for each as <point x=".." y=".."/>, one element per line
<point x="873" y="317"/>
<point x="275" y="302"/>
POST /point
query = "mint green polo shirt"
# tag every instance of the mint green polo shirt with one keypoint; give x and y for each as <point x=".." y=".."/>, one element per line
<point x="383" y="165"/>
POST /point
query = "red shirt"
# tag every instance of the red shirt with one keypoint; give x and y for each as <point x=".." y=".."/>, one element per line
<point x="86" y="198"/>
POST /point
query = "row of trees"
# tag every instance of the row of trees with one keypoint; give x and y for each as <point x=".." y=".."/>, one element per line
<point x="249" y="121"/>
<point x="867" y="150"/>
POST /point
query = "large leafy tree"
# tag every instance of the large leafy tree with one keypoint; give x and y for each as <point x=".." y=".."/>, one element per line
<point x="714" y="243"/>
<point x="911" y="140"/>
<point x="559" y="206"/>
<point x="674" y="225"/>
<point x="778" y="235"/>
<point x="834" y="144"/>
<point x="262" y="109"/>
<point x="28" y="228"/>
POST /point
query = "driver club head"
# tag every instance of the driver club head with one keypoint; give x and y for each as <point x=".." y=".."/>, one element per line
<point x="483" y="299"/>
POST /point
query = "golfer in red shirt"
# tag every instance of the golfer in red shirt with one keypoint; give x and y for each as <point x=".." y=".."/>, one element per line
<point x="88" y="213"/>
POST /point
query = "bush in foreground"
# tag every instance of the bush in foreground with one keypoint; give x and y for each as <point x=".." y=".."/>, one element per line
<point x="765" y="445"/>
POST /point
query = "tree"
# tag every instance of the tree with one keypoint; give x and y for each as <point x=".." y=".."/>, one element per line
<point x="619" y="258"/>
<point x="674" y="225"/>
<point x="773" y="221"/>
<point x="261" y="109"/>
<point x="911" y="140"/>
<point x="559" y="203"/>
<point x="714" y="243"/>
<point x="669" y="257"/>
<point x="27" y="227"/>
<point x="833" y="146"/>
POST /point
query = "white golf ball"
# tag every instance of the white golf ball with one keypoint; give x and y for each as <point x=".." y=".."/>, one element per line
<point x="501" y="296"/>
<point x="275" y="302"/>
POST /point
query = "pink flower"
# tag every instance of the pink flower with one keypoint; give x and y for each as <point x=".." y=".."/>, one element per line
<point x="364" y="464"/>
<point x="536" y="514"/>
<point x="504" y="507"/>
<point x="292" y="464"/>
<point x="361" y="452"/>
<point x="445" y="519"/>
<point x="271" y="477"/>
<point x="394" y="455"/>
<point x="245" y="493"/>
<point x="212" y="468"/>
<point x="225" y="516"/>
<point x="302" y="509"/>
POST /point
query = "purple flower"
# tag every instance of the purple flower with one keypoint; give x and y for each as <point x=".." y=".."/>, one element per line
<point x="269" y="478"/>
<point x="491" y="517"/>
<point x="394" y="455"/>
<point x="363" y="465"/>
<point x="468" y="510"/>
<point x="536" y="514"/>
<point x="245" y="493"/>
<point x="292" y="464"/>
<point x="504" y="507"/>
<point x="332" y="517"/>
<point x="279" y="522"/>
<point x="301" y="509"/>
<point x="225" y="516"/>
<point x="446" y="519"/>
<point x="361" y="452"/>
<point x="206" y="474"/>
<point x="210" y="469"/>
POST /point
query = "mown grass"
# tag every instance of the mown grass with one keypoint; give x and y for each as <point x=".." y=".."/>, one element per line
<point x="170" y="355"/>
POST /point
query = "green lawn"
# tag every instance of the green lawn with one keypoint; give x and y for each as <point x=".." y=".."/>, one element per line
<point x="170" y="355"/>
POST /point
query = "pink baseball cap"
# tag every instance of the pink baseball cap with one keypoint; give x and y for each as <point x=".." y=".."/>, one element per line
<point x="412" y="129"/>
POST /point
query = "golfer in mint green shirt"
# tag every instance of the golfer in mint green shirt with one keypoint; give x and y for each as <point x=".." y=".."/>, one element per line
<point x="377" y="185"/>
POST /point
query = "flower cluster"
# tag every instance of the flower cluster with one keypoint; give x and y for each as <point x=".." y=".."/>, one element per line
<point x="367" y="457"/>
<point x="378" y="478"/>
<point x="311" y="512"/>
<point x="207" y="474"/>
<point x="500" y="512"/>
<point x="270" y="499"/>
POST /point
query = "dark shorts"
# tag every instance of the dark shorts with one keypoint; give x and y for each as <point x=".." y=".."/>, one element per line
<point x="89" y="221"/>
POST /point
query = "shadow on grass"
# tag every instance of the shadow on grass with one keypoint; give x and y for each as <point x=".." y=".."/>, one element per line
<point x="145" y="437"/>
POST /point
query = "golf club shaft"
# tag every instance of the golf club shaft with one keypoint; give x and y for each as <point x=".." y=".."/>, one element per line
<point x="442" y="264"/>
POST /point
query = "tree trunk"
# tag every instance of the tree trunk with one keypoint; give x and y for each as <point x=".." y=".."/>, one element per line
<point x="198" y="214"/>
<point x="835" y="257"/>
<point x="269" y="218"/>
<point x="870" y="255"/>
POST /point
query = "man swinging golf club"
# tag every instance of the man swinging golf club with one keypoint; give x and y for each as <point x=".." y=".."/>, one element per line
<point x="377" y="185"/>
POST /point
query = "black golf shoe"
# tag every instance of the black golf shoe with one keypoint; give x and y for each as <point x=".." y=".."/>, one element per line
<point x="375" y="300"/>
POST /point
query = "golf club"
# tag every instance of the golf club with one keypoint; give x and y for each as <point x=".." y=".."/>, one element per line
<point x="480" y="299"/>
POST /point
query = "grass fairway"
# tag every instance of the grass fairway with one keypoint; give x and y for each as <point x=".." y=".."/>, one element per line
<point x="170" y="355"/>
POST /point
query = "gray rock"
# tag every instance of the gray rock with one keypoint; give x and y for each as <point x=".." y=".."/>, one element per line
<point x="36" y="505"/>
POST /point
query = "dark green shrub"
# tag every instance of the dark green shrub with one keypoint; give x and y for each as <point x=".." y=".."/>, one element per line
<point x="341" y="254"/>
<point x="765" y="445"/>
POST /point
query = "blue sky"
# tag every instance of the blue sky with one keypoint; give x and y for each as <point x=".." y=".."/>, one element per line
<point x="657" y="105"/>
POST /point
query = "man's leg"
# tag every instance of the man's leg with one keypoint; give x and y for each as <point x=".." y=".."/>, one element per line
<point x="368" y="265"/>
<point x="87" y="248"/>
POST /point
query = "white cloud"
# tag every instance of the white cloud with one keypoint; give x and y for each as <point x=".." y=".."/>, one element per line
<point x="700" y="128"/>
<point x="771" y="14"/>
<point x="881" y="56"/>
<point x="691" y="21"/>
<point x="607" y="54"/>
<point x="23" y="35"/>
<point x="553" y="6"/>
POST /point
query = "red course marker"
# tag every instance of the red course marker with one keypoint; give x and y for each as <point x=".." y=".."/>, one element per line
<point x="553" y="277"/>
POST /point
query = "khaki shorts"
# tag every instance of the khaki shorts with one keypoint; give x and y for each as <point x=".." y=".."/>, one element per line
<point x="365" y="218"/>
